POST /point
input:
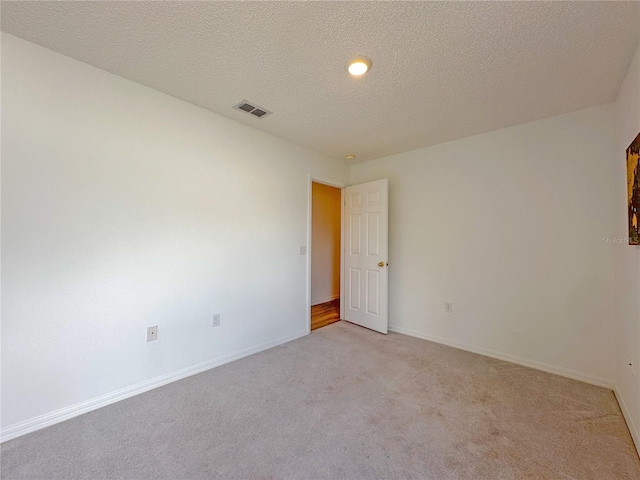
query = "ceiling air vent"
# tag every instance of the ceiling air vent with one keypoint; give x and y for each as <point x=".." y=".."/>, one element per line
<point x="252" y="109"/>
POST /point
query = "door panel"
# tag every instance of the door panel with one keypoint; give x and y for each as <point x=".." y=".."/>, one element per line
<point x="366" y="256"/>
<point x="355" y="233"/>
<point x="373" y="234"/>
<point x="373" y="286"/>
<point x="354" y="289"/>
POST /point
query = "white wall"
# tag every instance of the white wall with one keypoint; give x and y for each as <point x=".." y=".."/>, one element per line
<point x="509" y="227"/>
<point x="325" y="243"/>
<point x="123" y="207"/>
<point x="627" y="285"/>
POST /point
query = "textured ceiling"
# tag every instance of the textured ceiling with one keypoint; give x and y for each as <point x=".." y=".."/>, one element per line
<point x="441" y="70"/>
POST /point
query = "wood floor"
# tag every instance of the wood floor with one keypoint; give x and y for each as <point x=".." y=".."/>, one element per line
<point x="325" y="314"/>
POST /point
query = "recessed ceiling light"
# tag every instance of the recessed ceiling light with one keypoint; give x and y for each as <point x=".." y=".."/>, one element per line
<point x="351" y="156"/>
<point x="358" y="66"/>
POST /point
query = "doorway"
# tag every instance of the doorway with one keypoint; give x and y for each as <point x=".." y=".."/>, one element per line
<point x="326" y="236"/>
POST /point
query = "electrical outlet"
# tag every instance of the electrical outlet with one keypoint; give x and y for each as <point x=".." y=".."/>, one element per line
<point x="152" y="333"/>
<point x="448" y="307"/>
<point x="303" y="249"/>
<point x="215" y="320"/>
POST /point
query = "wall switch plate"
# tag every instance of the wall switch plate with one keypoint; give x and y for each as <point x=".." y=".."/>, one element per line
<point x="448" y="307"/>
<point x="215" y="320"/>
<point x="303" y="249"/>
<point x="152" y="333"/>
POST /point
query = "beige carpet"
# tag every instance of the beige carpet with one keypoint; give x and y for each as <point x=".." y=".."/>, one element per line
<point x="347" y="403"/>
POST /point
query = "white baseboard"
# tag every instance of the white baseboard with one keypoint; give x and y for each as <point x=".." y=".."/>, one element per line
<point x="57" y="416"/>
<point x="635" y="434"/>
<point x="545" y="367"/>
<point x="329" y="299"/>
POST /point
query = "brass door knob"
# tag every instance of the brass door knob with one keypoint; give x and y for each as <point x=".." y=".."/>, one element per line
<point x="381" y="264"/>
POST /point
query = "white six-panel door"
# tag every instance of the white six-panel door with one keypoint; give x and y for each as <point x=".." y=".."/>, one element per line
<point x="366" y="254"/>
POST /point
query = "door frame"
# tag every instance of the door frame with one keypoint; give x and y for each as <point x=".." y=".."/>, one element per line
<point x="332" y="183"/>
